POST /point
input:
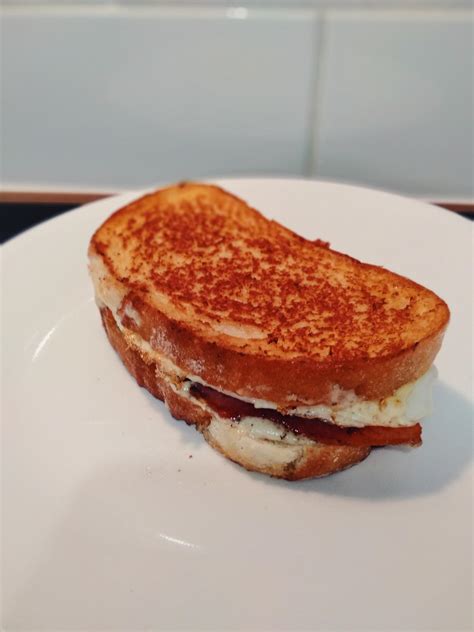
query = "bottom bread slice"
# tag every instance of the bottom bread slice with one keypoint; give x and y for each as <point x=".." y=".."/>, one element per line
<point x="308" y="459"/>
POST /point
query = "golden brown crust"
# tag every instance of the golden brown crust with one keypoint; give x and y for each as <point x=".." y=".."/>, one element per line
<point x="307" y="461"/>
<point x="326" y="319"/>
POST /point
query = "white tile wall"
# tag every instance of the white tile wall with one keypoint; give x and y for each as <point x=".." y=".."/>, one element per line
<point x="127" y="97"/>
<point x="123" y="94"/>
<point x="396" y="105"/>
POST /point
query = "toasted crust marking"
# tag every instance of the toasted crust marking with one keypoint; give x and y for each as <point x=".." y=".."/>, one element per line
<point x="202" y="256"/>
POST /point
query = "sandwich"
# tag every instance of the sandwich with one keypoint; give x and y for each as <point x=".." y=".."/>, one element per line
<point x="290" y="358"/>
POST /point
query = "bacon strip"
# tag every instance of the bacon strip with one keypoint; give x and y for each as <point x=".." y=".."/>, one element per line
<point x="316" y="429"/>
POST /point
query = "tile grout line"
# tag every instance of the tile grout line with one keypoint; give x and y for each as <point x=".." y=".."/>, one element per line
<point x="312" y="157"/>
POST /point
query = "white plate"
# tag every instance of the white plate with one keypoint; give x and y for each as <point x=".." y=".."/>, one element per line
<point x="116" y="516"/>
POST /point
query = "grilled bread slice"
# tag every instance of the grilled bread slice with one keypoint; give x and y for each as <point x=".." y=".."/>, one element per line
<point x="200" y="283"/>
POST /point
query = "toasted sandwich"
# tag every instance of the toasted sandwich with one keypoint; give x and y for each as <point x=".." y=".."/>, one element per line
<point x="290" y="358"/>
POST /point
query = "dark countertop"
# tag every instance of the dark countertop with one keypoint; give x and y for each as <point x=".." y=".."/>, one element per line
<point x="20" y="211"/>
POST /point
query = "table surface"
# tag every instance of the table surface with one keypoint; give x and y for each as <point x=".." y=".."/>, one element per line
<point x="22" y="210"/>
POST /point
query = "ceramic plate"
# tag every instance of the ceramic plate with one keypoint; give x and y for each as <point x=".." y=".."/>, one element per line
<point x="115" y="516"/>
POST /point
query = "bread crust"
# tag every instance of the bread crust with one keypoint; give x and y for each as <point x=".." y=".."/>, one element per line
<point x="273" y="458"/>
<point x="259" y="370"/>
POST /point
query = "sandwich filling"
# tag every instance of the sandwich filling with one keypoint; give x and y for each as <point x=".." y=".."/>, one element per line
<point x="350" y="420"/>
<point x="315" y="428"/>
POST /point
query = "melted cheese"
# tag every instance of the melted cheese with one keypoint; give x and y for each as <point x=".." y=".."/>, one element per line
<point x="107" y="293"/>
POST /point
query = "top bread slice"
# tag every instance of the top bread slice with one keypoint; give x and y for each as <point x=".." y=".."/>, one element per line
<point x="254" y="309"/>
